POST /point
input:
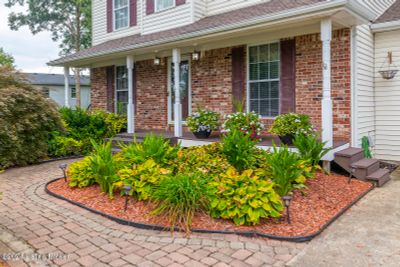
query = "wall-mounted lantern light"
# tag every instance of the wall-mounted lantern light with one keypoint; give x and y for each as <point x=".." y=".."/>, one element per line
<point x="391" y="70"/>
<point x="157" y="61"/>
<point x="196" y="56"/>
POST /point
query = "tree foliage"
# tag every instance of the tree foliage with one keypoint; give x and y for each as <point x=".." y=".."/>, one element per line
<point x="6" y="59"/>
<point x="26" y="120"/>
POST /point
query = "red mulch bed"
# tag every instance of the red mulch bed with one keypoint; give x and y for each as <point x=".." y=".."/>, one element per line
<point x="310" y="209"/>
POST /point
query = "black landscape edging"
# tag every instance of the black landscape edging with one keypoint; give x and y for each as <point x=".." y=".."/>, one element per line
<point x="297" y="239"/>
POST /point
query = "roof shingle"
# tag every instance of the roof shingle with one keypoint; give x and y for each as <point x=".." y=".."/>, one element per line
<point x="224" y="19"/>
<point x="391" y="14"/>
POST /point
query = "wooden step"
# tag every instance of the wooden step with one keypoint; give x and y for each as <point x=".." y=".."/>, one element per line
<point x="364" y="167"/>
<point x="116" y="150"/>
<point x="346" y="157"/>
<point x="379" y="177"/>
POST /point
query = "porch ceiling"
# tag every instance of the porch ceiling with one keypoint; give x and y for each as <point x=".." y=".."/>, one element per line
<point x="288" y="23"/>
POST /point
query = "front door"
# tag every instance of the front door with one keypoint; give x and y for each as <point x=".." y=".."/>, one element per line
<point x="184" y="90"/>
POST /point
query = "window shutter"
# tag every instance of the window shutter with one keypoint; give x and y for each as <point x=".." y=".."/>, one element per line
<point x="149" y="7"/>
<point x="238" y="73"/>
<point x="180" y="2"/>
<point x="109" y="15"/>
<point x="288" y="76"/>
<point x="132" y="13"/>
<point x="110" y="88"/>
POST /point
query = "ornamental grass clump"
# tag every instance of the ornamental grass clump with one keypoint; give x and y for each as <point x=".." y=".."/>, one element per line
<point x="245" y="198"/>
<point x="248" y="123"/>
<point x="180" y="197"/>
<point x="153" y="147"/>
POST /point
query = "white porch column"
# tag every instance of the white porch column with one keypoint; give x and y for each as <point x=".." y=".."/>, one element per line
<point x="66" y="87"/>
<point x="327" y="117"/>
<point x="176" y="59"/>
<point x="130" y="106"/>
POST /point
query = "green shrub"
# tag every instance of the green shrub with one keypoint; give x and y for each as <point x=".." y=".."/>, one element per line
<point x="60" y="145"/>
<point x="311" y="149"/>
<point x="239" y="149"/>
<point x="249" y="123"/>
<point x="26" y="121"/>
<point x="245" y="198"/>
<point x="291" y="124"/>
<point x="179" y="197"/>
<point x="203" y="120"/>
<point x="207" y="159"/>
<point x="104" y="166"/>
<point x="142" y="177"/>
<point x="153" y="147"/>
<point x="80" y="173"/>
<point x="286" y="169"/>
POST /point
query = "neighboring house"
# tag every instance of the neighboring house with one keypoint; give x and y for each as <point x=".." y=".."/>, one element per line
<point x="53" y="86"/>
<point x="312" y="56"/>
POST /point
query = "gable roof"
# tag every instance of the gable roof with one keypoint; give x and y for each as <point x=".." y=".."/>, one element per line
<point x="54" y="79"/>
<point x="391" y="14"/>
<point x="230" y="18"/>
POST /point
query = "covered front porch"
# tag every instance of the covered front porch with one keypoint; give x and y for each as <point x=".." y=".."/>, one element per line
<point x="306" y="69"/>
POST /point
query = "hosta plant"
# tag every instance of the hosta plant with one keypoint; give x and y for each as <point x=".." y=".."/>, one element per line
<point x="203" y="120"/>
<point x="248" y="123"/>
<point x="80" y="173"/>
<point x="244" y="198"/>
<point x="179" y="197"/>
<point x="142" y="177"/>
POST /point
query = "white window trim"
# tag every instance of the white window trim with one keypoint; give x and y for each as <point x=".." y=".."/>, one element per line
<point x="170" y="104"/>
<point x="248" y="74"/>
<point x="163" y="9"/>
<point x="116" y="89"/>
<point x="114" y="17"/>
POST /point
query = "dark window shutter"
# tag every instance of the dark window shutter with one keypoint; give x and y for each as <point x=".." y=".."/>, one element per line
<point x="180" y="2"/>
<point x="238" y="73"/>
<point x="109" y="15"/>
<point x="149" y="7"/>
<point x="288" y="76"/>
<point x="110" y="88"/>
<point x="133" y="13"/>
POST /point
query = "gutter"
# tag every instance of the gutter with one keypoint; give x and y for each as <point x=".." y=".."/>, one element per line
<point x="386" y="26"/>
<point x="350" y="4"/>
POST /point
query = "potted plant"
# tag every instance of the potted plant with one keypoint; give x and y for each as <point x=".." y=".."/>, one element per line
<point x="249" y="123"/>
<point x="287" y="126"/>
<point x="203" y="122"/>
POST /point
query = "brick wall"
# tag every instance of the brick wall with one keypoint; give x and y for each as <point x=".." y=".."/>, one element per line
<point x="309" y="80"/>
<point x="152" y="95"/>
<point x="212" y="81"/>
<point x="98" y="92"/>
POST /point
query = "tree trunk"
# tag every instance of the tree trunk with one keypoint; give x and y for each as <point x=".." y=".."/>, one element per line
<point x="78" y="86"/>
<point x="78" y="48"/>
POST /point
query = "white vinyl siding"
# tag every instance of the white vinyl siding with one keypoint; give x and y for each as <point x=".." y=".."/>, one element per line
<point x="387" y="98"/>
<point x="263" y="83"/>
<point x="221" y="6"/>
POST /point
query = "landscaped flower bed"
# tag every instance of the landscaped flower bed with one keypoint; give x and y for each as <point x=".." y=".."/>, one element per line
<point x="228" y="186"/>
<point x="325" y="196"/>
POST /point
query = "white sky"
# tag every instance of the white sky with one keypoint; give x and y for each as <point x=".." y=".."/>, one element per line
<point x="31" y="52"/>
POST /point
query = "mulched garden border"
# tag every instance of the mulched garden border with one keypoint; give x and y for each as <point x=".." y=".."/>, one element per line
<point x="297" y="239"/>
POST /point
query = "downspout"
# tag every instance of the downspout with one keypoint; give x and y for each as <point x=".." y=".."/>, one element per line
<point x="354" y="88"/>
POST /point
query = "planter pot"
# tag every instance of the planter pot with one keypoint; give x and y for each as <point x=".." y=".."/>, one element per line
<point x="287" y="139"/>
<point x="202" y="134"/>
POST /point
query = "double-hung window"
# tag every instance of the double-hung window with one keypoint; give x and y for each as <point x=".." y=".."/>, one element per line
<point x="73" y="92"/>
<point x="121" y="14"/>
<point x="264" y="79"/>
<point x="121" y="88"/>
<point x="163" y="4"/>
